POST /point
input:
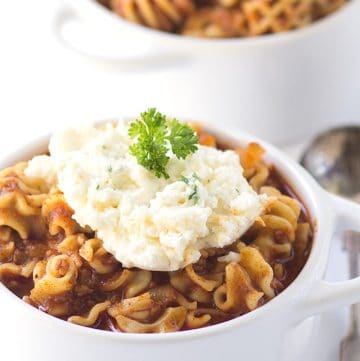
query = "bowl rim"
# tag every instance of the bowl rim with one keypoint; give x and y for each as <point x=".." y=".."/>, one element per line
<point x="310" y="194"/>
<point x="178" y="39"/>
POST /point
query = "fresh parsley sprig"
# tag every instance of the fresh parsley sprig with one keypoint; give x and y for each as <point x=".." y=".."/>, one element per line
<point x="155" y="136"/>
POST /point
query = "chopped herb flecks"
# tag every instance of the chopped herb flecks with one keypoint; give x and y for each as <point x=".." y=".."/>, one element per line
<point x="192" y="182"/>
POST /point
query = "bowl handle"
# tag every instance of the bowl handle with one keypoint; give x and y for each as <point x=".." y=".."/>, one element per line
<point x="324" y="295"/>
<point x="121" y="49"/>
<point x="347" y="213"/>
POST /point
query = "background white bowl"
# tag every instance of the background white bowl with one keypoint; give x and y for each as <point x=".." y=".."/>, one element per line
<point x="282" y="86"/>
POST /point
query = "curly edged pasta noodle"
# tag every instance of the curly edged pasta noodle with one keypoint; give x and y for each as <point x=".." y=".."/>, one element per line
<point x="165" y="15"/>
<point x="51" y="262"/>
<point x="223" y="18"/>
<point x="216" y="22"/>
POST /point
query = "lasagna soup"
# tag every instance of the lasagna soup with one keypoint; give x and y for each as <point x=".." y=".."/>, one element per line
<point x="153" y="226"/>
<point x="223" y="18"/>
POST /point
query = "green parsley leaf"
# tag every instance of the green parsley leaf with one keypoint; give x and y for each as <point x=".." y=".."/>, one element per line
<point x="182" y="138"/>
<point x="150" y="149"/>
<point x="155" y="136"/>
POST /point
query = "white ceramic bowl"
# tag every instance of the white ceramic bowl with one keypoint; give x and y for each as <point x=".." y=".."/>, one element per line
<point x="257" y="336"/>
<point x="301" y="80"/>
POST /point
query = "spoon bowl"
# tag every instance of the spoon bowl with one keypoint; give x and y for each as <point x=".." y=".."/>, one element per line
<point x="333" y="158"/>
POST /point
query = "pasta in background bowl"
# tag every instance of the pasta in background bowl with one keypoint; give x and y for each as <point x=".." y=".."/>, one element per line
<point x="224" y="18"/>
<point x="258" y="333"/>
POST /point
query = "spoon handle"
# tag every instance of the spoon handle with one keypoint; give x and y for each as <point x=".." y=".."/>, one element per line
<point x="352" y="246"/>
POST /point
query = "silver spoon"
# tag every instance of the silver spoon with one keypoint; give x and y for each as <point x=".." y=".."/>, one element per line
<point x="333" y="158"/>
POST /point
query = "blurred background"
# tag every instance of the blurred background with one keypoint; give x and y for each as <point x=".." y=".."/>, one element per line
<point x="46" y="84"/>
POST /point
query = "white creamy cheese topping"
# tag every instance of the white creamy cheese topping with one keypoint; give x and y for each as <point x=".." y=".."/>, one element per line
<point x="147" y="222"/>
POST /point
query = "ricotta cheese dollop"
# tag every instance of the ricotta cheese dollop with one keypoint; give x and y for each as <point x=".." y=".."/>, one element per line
<point x="144" y="221"/>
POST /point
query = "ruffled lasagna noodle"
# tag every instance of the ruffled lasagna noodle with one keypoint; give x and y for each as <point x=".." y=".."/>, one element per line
<point x="52" y="263"/>
<point x="223" y="18"/>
